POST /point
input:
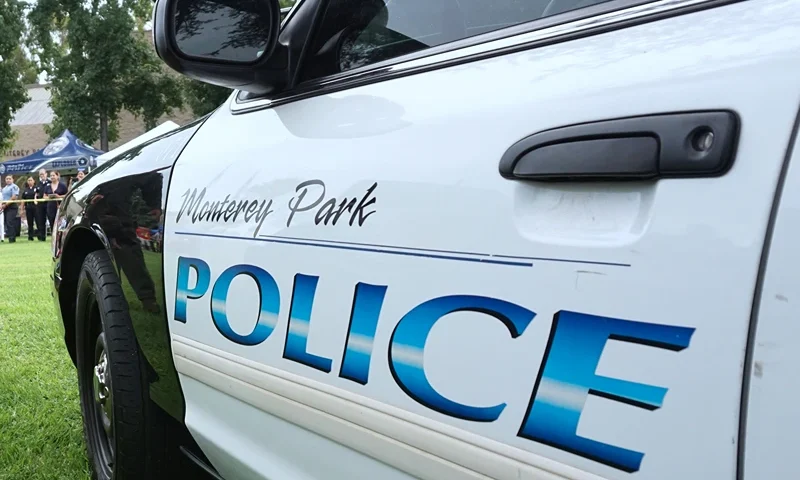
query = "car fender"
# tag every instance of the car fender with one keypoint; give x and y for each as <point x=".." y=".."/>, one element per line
<point x="96" y="214"/>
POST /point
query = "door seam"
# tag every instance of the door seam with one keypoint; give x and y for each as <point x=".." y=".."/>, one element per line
<point x="759" y="286"/>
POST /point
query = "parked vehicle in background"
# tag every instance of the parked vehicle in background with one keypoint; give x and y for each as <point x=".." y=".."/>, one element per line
<point x="450" y="239"/>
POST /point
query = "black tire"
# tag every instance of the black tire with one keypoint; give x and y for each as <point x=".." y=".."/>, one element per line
<point x="136" y="438"/>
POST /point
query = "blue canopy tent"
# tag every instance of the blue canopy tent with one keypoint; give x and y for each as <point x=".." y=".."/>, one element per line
<point x="66" y="154"/>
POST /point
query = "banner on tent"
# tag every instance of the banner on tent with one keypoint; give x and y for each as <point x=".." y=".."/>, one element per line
<point x="18" y="152"/>
<point x="57" y="164"/>
<point x="66" y="152"/>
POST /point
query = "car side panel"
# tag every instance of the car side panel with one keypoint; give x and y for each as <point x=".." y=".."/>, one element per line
<point x="118" y="207"/>
<point x="414" y="210"/>
<point x="771" y="417"/>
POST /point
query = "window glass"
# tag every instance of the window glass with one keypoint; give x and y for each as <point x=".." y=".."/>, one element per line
<point x="355" y="33"/>
<point x="286" y="5"/>
<point x="218" y="30"/>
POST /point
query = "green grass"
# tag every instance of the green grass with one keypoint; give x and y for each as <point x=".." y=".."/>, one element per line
<point x="40" y="421"/>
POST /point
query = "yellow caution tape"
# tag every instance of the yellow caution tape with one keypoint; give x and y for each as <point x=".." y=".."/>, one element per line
<point x="4" y="202"/>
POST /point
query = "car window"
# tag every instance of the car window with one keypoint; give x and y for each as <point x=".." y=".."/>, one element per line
<point x="286" y="5"/>
<point x="355" y="33"/>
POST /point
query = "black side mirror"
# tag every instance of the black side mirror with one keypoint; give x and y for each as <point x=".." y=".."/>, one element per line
<point x="229" y="43"/>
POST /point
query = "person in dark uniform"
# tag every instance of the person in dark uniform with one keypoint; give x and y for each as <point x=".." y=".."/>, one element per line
<point x="41" y="207"/>
<point x="54" y="190"/>
<point x="29" y="208"/>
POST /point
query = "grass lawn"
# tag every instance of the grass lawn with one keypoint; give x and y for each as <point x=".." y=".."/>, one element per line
<point x="40" y="421"/>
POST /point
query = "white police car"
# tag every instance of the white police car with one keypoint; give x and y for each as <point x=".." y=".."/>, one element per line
<point x="450" y="239"/>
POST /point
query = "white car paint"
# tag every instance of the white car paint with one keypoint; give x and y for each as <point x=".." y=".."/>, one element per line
<point x="161" y="129"/>
<point x="772" y="416"/>
<point x="682" y="254"/>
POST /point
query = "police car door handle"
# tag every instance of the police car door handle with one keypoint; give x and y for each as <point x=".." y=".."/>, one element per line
<point x="674" y="145"/>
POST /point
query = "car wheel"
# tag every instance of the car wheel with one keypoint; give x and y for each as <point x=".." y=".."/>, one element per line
<point x="124" y="437"/>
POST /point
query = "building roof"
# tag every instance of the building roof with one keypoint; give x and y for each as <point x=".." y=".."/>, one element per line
<point x="37" y="111"/>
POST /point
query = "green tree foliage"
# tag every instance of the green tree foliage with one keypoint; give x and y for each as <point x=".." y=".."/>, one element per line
<point x="27" y="67"/>
<point x="12" y="88"/>
<point x="146" y="78"/>
<point x="100" y="62"/>
<point x="203" y="98"/>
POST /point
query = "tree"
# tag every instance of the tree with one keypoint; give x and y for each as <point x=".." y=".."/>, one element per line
<point x="203" y="97"/>
<point x="99" y="63"/>
<point x="150" y="75"/>
<point x="27" y="67"/>
<point x="12" y="89"/>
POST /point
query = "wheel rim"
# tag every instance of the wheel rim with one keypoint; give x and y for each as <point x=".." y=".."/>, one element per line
<point x="103" y="405"/>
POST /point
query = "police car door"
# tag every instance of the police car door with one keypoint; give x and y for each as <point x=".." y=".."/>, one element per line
<point x="507" y="240"/>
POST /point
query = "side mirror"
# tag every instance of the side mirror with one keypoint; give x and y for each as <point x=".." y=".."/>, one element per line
<point x="229" y="43"/>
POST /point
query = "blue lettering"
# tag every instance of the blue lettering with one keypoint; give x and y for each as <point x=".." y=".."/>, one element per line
<point x="269" y="300"/>
<point x="407" y="346"/>
<point x="182" y="290"/>
<point x="367" y="304"/>
<point x="566" y="379"/>
<point x="576" y="343"/>
<point x="296" y="346"/>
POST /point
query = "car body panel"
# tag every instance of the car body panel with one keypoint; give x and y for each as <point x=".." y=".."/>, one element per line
<point x="118" y="207"/>
<point x="414" y="211"/>
<point x="772" y="417"/>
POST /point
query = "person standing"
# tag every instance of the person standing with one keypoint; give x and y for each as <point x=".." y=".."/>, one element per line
<point x="41" y="207"/>
<point x="54" y="190"/>
<point x="10" y="192"/>
<point x="74" y="181"/>
<point x="29" y="208"/>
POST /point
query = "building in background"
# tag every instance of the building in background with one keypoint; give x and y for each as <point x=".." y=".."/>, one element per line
<point x="30" y="121"/>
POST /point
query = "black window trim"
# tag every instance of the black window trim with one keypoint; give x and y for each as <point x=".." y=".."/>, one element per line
<point x="288" y="12"/>
<point x="580" y="23"/>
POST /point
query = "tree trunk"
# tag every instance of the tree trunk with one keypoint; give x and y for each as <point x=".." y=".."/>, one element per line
<point x="103" y="132"/>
